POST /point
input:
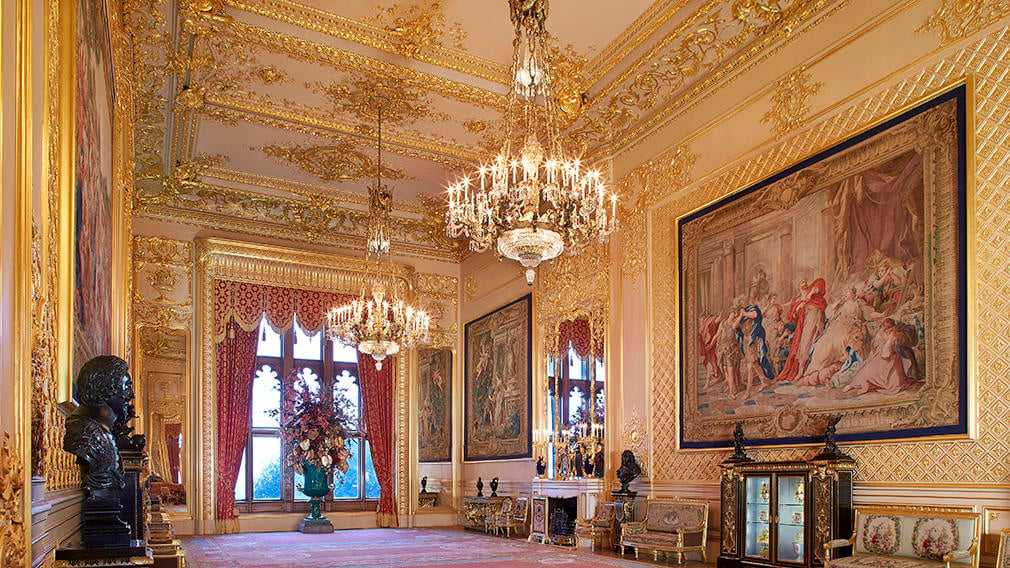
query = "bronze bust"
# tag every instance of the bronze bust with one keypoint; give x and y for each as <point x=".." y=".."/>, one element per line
<point x="628" y="471"/>
<point x="104" y="391"/>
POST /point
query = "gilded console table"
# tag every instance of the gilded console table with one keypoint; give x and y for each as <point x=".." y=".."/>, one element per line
<point x="476" y="509"/>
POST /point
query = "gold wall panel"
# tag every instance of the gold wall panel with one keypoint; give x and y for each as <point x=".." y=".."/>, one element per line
<point x="982" y="460"/>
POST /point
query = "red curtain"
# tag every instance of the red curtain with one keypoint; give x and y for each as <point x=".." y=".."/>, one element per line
<point x="173" y="433"/>
<point x="580" y="335"/>
<point x="236" y="360"/>
<point x="378" y="395"/>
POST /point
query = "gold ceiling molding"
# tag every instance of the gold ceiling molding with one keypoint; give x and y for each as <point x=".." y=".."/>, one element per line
<point x="362" y="95"/>
<point x="955" y="20"/>
<point x="418" y="27"/>
<point x="311" y="52"/>
<point x="291" y="186"/>
<point x="969" y="462"/>
<point x="231" y="110"/>
<point x="271" y="75"/>
<point x="642" y="188"/>
<point x="315" y="220"/>
<point x="789" y="102"/>
<point x="380" y="37"/>
<point x="715" y="82"/>
<point x="343" y="161"/>
<point x="709" y="44"/>
<point x="641" y="29"/>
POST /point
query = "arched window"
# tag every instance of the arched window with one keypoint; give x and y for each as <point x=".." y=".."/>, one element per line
<point x="264" y="482"/>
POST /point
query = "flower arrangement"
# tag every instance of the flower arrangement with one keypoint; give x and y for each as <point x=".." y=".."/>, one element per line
<point x="313" y="431"/>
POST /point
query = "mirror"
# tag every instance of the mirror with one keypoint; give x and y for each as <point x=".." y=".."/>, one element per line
<point x="576" y="399"/>
<point x="164" y="367"/>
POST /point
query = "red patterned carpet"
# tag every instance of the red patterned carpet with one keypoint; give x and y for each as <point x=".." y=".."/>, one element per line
<point x="382" y="548"/>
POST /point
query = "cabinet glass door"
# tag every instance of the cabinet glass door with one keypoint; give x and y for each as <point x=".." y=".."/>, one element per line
<point x="790" y="518"/>
<point x="757" y="515"/>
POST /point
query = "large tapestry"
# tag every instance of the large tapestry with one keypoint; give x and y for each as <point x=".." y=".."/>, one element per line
<point x="92" y="312"/>
<point x="434" y="384"/>
<point x="837" y="287"/>
<point x="499" y="373"/>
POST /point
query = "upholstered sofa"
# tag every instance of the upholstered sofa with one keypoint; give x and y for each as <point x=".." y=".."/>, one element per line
<point x="670" y="525"/>
<point x="909" y="537"/>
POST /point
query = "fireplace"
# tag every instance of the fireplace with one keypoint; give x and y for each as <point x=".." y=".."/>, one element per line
<point x="562" y="514"/>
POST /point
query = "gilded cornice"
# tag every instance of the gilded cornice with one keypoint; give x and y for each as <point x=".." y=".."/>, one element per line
<point x="702" y="50"/>
<point x="384" y="38"/>
<point x="644" y="26"/>
<point x="281" y="266"/>
<point x="316" y="220"/>
<point x="955" y="20"/>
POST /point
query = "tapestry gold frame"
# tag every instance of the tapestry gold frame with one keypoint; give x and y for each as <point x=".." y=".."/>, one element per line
<point x="279" y="266"/>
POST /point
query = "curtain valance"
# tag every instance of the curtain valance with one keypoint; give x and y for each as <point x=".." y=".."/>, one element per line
<point x="580" y="334"/>
<point x="247" y="302"/>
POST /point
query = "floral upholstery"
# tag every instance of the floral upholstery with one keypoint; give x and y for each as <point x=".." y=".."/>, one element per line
<point x="668" y="516"/>
<point x="670" y="525"/>
<point x="601" y="526"/>
<point x="881" y="562"/>
<point x="927" y="538"/>
<point x="515" y="519"/>
<point x="896" y="537"/>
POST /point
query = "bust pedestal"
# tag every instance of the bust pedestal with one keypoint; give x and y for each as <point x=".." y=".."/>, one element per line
<point x="134" y="554"/>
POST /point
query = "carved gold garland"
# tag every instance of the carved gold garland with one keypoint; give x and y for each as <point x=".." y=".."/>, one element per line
<point x="789" y="101"/>
<point x="13" y="544"/>
<point x="642" y="188"/>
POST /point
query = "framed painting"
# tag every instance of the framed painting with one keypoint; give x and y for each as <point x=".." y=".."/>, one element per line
<point x="93" y="186"/>
<point x="837" y="287"/>
<point x="434" y="417"/>
<point x="498" y="384"/>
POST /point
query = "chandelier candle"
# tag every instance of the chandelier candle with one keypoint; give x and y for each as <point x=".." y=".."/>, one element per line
<point x="536" y="204"/>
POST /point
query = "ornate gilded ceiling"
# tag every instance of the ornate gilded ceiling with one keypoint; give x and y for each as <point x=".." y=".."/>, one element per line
<point x="259" y="116"/>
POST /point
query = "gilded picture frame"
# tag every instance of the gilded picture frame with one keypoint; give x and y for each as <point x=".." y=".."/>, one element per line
<point x="434" y="421"/>
<point x="498" y="383"/>
<point x="828" y="290"/>
<point x="1003" y="556"/>
<point x="94" y="200"/>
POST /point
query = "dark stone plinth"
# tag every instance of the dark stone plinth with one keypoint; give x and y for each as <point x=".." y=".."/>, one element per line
<point x="133" y="554"/>
<point x="102" y="527"/>
<point x="315" y="526"/>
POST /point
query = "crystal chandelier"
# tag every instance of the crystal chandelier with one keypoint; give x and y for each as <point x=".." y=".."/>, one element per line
<point x="377" y="325"/>
<point x="537" y="203"/>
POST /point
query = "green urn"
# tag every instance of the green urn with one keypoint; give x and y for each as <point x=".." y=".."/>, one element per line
<point x="316" y="486"/>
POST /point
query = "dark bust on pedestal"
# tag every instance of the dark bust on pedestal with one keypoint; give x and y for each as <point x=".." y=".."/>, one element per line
<point x="627" y="473"/>
<point x="104" y="391"/>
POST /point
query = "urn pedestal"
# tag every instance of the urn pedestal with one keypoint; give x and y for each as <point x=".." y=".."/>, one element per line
<point x="317" y="486"/>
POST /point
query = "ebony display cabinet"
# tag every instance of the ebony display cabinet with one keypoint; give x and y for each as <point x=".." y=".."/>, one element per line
<point x="782" y="513"/>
